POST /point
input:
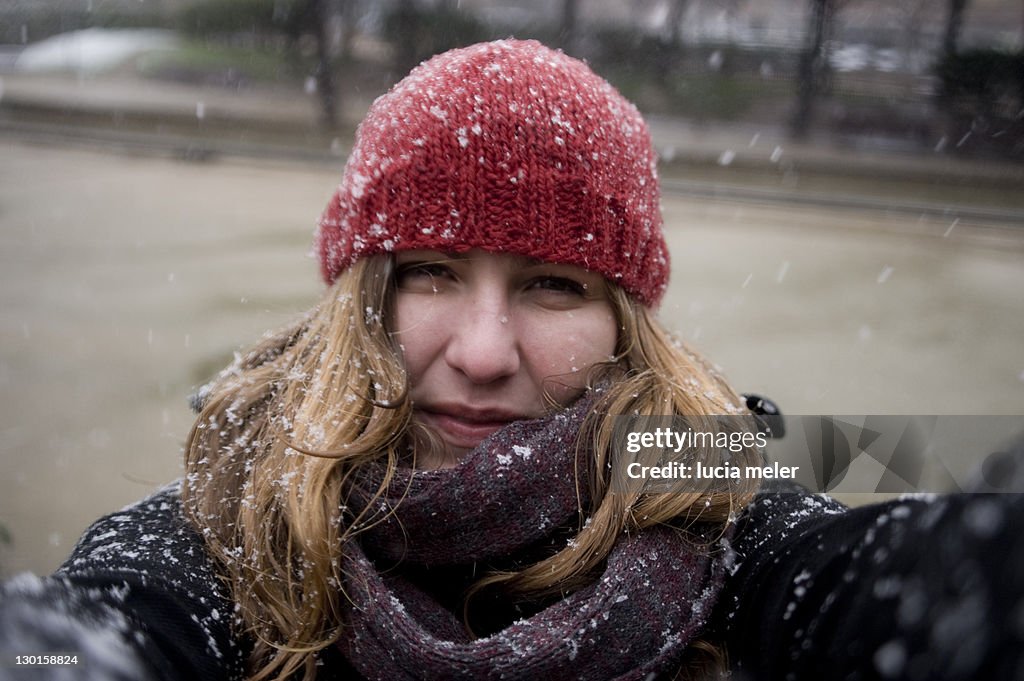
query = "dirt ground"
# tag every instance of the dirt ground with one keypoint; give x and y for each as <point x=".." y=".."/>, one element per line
<point x="128" y="281"/>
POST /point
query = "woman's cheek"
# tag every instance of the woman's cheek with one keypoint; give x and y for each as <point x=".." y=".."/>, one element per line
<point x="571" y="357"/>
<point x="416" y="330"/>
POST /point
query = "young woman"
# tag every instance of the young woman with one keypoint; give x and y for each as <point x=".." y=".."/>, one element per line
<point x="416" y="479"/>
<point x="492" y="253"/>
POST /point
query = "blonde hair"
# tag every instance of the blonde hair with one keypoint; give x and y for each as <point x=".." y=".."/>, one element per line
<point x="284" y="428"/>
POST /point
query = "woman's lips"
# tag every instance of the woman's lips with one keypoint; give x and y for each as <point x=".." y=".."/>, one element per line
<point x="465" y="428"/>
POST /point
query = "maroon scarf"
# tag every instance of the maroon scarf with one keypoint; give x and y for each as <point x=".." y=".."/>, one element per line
<point x="516" y="489"/>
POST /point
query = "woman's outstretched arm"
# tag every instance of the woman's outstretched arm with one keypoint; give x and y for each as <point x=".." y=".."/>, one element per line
<point x="137" y="600"/>
<point x="908" y="589"/>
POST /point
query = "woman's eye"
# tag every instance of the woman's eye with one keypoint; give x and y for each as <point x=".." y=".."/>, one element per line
<point x="424" y="274"/>
<point x="559" y="285"/>
<point x="428" y="269"/>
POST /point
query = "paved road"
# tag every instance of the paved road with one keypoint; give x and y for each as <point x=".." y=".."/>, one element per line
<point x="128" y="280"/>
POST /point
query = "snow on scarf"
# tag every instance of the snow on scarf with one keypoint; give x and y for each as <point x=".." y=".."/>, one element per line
<point x="515" y="489"/>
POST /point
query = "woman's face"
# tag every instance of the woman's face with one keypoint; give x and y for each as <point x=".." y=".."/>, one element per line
<point x="484" y="335"/>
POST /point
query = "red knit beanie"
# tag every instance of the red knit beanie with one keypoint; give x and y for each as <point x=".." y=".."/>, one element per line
<point x="510" y="147"/>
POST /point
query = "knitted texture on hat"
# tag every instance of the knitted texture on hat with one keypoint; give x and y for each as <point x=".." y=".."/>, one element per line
<point x="509" y="147"/>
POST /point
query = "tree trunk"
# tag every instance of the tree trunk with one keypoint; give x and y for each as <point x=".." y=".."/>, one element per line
<point x="325" y="85"/>
<point x="950" y="127"/>
<point x="568" y="27"/>
<point x="813" y="69"/>
<point x="676" y="13"/>
<point x="407" y="47"/>
<point x="671" y="52"/>
<point x="954" y="23"/>
<point x="348" y="29"/>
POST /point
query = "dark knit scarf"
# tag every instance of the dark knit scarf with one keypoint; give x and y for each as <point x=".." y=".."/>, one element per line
<point x="519" y="487"/>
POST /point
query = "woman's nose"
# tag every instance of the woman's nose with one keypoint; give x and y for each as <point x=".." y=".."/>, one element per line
<point x="483" y="344"/>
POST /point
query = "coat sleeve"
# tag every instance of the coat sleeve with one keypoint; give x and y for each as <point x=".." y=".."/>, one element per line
<point x="139" y="599"/>
<point x="908" y="589"/>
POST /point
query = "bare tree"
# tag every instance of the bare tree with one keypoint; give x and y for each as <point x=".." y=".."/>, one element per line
<point x="911" y="16"/>
<point x="813" y="70"/>
<point x="348" y="29"/>
<point x="672" y="51"/>
<point x="944" y="100"/>
<point x="569" y="25"/>
<point x="406" y="18"/>
<point x="954" y="24"/>
<point x="320" y="13"/>
<point x="314" y="17"/>
<point x="674" y="23"/>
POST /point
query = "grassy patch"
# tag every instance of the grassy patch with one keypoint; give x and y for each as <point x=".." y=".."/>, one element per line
<point x="202" y="62"/>
<point x="699" y="96"/>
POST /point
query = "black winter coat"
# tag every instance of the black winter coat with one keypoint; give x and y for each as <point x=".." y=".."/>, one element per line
<point x="909" y="589"/>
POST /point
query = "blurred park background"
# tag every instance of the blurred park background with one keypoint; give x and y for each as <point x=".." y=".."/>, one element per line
<point x="922" y="74"/>
<point x="843" y="191"/>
